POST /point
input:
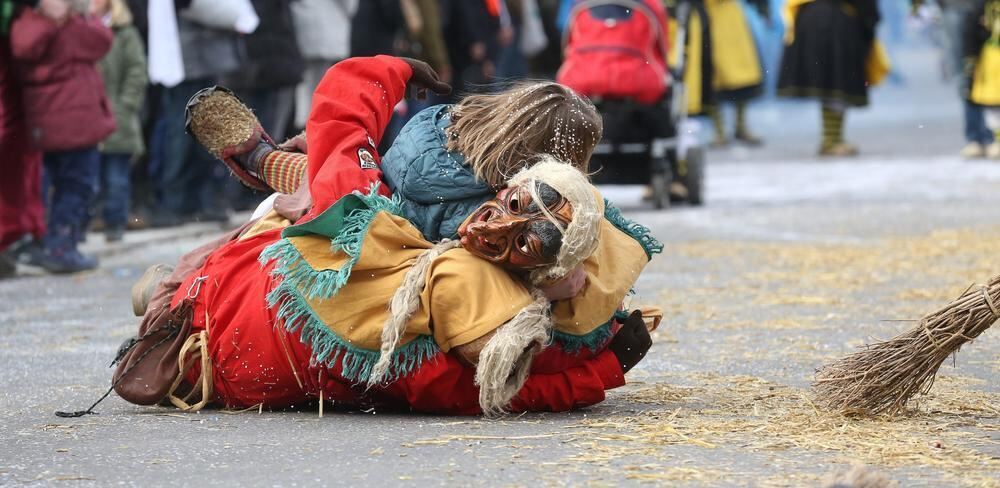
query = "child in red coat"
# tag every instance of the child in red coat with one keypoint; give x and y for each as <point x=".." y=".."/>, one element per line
<point x="68" y="114"/>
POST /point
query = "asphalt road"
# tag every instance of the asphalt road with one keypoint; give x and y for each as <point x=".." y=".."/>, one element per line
<point x="794" y="262"/>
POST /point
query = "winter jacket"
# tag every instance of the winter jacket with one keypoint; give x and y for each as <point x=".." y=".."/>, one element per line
<point x="124" y="73"/>
<point x="323" y="28"/>
<point x="273" y="57"/>
<point x="7" y="10"/>
<point x="375" y="27"/>
<point x="64" y="96"/>
<point x="208" y="52"/>
<point x="438" y="189"/>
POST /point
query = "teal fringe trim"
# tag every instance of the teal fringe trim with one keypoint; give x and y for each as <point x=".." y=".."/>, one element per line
<point x="328" y="347"/>
<point x="592" y="340"/>
<point x="638" y="231"/>
<point x="293" y="268"/>
<point x="352" y="235"/>
<point x="349" y="237"/>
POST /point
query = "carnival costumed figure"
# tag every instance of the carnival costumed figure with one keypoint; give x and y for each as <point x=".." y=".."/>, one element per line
<point x="982" y="61"/>
<point x="831" y="54"/>
<point x="737" y="74"/>
<point x="462" y="325"/>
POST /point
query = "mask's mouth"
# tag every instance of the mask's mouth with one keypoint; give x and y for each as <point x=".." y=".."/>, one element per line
<point x="482" y="243"/>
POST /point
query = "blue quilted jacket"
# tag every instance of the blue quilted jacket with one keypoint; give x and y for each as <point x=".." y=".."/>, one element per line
<point x="438" y="190"/>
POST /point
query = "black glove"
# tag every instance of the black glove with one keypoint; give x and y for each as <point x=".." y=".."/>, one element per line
<point x="632" y="342"/>
<point x="424" y="78"/>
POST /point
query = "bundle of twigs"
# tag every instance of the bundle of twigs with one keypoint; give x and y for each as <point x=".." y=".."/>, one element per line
<point x="884" y="376"/>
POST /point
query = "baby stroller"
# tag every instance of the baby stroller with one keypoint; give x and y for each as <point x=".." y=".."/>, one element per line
<point x="616" y="54"/>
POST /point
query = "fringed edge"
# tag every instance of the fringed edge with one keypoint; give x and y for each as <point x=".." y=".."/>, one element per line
<point x="293" y="268"/>
<point x="637" y="231"/>
<point x="593" y="340"/>
<point x="352" y="235"/>
<point x="328" y="347"/>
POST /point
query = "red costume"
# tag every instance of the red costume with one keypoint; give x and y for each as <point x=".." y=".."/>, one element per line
<point x="21" y="209"/>
<point x="257" y="360"/>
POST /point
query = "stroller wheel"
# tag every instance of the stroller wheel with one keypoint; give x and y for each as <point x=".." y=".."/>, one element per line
<point x="693" y="177"/>
<point x="660" y="184"/>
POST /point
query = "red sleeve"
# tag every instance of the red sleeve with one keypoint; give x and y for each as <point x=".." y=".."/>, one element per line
<point x="91" y="39"/>
<point x="576" y="387"/>
<point x="30" y="35"/>
<point x="351" y="108"/>
<point x="445" y="385"/>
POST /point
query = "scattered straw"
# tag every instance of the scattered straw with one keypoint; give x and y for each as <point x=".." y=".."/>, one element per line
<point x="750" y="414"/>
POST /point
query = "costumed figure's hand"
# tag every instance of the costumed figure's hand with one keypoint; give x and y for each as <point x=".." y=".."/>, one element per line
<point x="569" y="287"/>
<point x="632" y="342"/>
<point x="296" y="144"/>
<point x="424" y="78"/>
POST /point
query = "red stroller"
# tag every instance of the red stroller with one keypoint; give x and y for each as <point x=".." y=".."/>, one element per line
<point x="616" y="54"/>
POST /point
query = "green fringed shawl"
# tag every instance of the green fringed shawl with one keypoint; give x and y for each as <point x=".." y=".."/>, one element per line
<point x="346" y="223"/>
<point x="328" y="347"/>
<point x="639" y="232"/>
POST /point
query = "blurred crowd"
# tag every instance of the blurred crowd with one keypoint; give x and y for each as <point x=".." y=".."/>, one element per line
<point x="93" y="92"/>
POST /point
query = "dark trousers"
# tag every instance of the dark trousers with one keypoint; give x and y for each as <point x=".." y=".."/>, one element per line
<point x="72" y="179"/>
<point x="115" y="189"/>
<point x="189" y="179"/>
<point x="975" y="124"/>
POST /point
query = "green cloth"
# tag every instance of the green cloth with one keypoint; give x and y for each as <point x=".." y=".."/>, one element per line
<point x="125" y="79"/>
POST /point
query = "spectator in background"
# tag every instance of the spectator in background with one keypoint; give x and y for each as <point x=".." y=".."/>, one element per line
<point x="425" y="40"/>
<point x="266" y="81"/>
<point x="511" y="62"/>
<point x="400" y="27"/>
<point x="953" y="17"/>
<point x="124" y="73"/>
<point x="22" y="215"/>
<point x="56" y="49"/>
<point x="323" y="32"/>
<point x="829" y="54"/>
<point x="273" y="67"/>
<point x="471" y="35"/>
<point x="375" y="27"/>
<point x="545" y="63"/>
<point x="188" y="184"/>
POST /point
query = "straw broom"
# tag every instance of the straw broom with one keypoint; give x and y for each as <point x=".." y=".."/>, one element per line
<point x="884" y="376"/>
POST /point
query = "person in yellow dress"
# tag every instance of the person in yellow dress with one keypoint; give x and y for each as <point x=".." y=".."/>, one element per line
<point x="737" y="75"/>
<point x="831" y="54"/>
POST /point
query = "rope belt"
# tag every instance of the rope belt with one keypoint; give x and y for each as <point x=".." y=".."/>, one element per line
<point x="989" y="302"/>
<point x="197" y="347"/>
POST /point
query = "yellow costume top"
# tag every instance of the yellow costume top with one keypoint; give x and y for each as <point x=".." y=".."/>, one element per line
<point x="336" y="290"/>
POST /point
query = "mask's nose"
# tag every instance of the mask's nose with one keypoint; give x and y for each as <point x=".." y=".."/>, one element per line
<point x="495" y="231"/>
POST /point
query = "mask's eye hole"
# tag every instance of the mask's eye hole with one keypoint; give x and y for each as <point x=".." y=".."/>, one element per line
<point x="514" y="204"/>
<point x="522" y="244"/>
